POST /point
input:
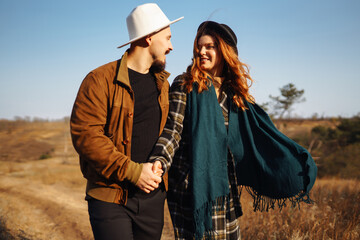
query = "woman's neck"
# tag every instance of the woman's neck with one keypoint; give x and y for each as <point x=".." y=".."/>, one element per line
<point x="217" y="81"/>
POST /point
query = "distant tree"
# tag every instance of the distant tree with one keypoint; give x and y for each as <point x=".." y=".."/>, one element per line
<point x="289" y="96"/>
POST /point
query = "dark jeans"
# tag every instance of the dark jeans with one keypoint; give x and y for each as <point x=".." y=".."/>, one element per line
<point x="142" y="218"/>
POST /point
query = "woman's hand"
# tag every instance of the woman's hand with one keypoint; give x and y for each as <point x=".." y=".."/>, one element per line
<point x="157" y="168"/>
<point x="148" y="180"/>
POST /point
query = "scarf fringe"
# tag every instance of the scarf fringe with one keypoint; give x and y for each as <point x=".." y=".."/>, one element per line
<point x="260" y="203"/>
<point x="200" y="227"/>
<point x="263" y="203"/>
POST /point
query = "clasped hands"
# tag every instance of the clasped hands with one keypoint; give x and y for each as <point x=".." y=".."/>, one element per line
<point x="150" y="176"/>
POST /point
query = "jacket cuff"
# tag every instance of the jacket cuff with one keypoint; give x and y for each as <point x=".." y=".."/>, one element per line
<point x="133" y="172"/>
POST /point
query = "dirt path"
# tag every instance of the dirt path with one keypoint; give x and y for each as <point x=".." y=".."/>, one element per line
<point x="44" y="200"/>
<point x="36" y="210"/>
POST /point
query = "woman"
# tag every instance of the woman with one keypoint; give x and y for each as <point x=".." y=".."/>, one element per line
<point x="227" y="141"/>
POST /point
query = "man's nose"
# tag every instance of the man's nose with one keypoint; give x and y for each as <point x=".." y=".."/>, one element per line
<point x="170" y="47"/>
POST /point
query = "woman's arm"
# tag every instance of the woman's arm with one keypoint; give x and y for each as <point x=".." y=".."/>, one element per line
<point x="168" y="141"/>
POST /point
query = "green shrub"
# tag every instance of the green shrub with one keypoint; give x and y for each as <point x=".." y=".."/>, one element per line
<point x="340" y="149"/>
<point x="44" y="156"/>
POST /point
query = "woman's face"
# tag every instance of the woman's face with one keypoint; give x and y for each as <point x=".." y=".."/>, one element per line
<point x="211" y="59"/>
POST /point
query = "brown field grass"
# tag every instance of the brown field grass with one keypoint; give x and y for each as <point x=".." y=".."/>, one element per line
<point x="334" y="215"/>
<point x="44" y="199"/>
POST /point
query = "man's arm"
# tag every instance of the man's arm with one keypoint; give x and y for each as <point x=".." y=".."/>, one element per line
<point x="87" y="123"/>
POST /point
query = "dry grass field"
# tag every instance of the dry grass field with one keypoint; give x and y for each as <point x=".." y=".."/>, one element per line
<point x="42" y="193"/>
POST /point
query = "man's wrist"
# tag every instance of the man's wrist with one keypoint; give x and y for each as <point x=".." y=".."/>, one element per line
<point x="133" y="172"/>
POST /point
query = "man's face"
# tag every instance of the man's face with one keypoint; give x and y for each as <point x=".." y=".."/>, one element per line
<point x="160" y="46"/>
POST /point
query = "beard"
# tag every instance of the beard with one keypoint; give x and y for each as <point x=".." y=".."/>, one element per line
<point x="158" y="66"/>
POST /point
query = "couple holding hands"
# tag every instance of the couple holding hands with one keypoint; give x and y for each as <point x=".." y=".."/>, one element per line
<point x="198" y="142"/>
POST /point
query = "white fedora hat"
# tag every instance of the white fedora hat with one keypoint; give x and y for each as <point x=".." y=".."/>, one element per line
<point x="144" y="20"/>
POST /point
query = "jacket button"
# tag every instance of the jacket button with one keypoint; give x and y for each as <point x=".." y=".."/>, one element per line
<point x="130" y="114"/>
<point x="125" y="141"/>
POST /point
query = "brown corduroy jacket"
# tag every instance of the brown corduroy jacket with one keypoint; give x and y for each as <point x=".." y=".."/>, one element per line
<point x="101" y="127"/>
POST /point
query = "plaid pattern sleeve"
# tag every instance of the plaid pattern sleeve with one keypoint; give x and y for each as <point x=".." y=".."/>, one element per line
<point x="168" y="142"/>
<point x="179" y="196"/>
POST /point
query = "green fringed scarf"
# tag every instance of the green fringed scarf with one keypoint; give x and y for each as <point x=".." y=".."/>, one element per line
<point x="270" y="165"/>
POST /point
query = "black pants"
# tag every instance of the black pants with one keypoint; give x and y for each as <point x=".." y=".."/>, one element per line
<point x="142" y="218"/>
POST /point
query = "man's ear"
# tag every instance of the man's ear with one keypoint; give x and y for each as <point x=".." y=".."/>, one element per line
<point x="148" y="40"/>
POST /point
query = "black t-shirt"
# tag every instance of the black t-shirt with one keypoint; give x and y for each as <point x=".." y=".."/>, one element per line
<point x="147" y="115"/>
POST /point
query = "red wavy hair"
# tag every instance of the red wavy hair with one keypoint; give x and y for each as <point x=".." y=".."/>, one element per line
<point x="236" y="73"/>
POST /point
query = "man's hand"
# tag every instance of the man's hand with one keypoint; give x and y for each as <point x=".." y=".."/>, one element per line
<point x="157" y="168"/>
<point x="148" y="180"/>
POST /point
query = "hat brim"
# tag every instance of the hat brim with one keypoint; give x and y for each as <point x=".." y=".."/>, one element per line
<point x="158" y="29"/>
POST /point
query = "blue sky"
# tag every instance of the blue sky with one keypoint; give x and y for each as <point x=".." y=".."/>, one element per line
<point x="48" y="47"/>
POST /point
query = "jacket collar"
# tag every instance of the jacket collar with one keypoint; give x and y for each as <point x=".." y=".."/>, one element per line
<point x="161" y="77"/>
<point x="123" y="75"/>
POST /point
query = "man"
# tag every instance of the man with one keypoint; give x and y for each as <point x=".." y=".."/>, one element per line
<point x="119" y="112"/>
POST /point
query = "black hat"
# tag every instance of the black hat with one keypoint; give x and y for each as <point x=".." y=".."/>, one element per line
<point x="223" y="30"/>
